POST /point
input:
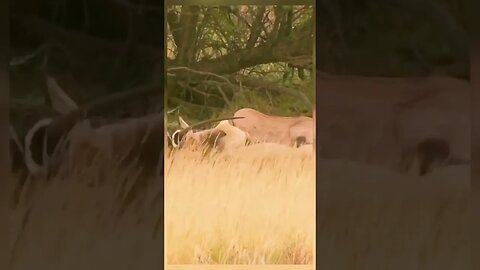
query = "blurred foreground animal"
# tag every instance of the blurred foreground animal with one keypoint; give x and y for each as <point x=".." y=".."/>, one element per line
<point x="130" y="142"/>
<point x="436" y="138"/>
<point x="71" y="137"/>
<point x="72" y="143"/>
<point x="383" y="121"/>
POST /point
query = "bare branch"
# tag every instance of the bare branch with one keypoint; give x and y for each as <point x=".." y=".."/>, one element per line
<point x="188" y="34"/>
<point x="262" y="54"/>
<point x="192" y="105"/>
<point x="224" y="96"/>
<point x="172" y="20"/>
<point x="253" y="82"/>
<point x="202" y="73"/>
<point x="256" y="29"/>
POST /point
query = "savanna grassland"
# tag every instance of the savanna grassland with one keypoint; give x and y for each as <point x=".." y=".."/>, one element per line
<point x="80" y="220"/>
<point x="368" y="218"/>
<point x="242" y="210"/>
<point x="247" y="207"/>
<point x="372" y="218"/>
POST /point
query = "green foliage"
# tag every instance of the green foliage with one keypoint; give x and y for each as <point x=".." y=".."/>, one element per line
<point x="226" y="30"/>
<point x="266" y="101"/>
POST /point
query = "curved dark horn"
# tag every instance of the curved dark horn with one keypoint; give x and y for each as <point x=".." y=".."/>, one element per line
<point x="185" y="130"/>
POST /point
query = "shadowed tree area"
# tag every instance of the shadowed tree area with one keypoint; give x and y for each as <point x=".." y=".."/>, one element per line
<point x="91" y="48"/>
<point x="94" y="48"/>
<point x="393" y="37"/>
<point x="221" y="58"/>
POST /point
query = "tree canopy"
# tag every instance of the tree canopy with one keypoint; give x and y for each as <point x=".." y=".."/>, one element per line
<point x="224" y="57"/>
<point x="97" y="47"/>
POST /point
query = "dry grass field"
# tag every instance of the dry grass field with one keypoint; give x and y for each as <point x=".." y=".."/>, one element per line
<point x="247" y="207"/>
<point x="369" y="218"/>
<point x="73" y="222"/>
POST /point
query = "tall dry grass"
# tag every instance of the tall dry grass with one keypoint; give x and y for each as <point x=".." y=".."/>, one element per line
<point x="372" y="218"/>
<point x="253" y="206"/>
<point x="368" y="218"/>
<point x="72" y="221"/>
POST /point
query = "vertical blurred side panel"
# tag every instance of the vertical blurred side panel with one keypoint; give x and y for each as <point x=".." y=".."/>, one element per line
<point x="475" y="177"/>
<point x="86" y="134"/>
<point x="393" y="135"/>
<point x="5" y="182"/>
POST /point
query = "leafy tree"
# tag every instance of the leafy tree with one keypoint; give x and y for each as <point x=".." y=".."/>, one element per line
<point x="220" y="58"/>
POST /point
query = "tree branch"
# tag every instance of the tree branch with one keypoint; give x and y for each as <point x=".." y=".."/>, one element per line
<point x="192" y="105"/>
<point x="262" y="54"/>
<point x="256" y="27"/>
<point x="188" y="34"/>
<point x="258" y="83"/>
<point x="172" y="20"/>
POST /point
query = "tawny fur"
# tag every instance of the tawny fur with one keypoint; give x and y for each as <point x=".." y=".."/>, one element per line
<point x="277" y="129"/>
<point x="374" y="120"/>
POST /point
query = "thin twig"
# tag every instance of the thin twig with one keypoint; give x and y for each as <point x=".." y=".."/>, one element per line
<point x="202" y="73"/>
<point x="224" y="96"/>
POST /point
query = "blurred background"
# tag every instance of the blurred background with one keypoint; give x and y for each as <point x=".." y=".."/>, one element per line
<point x="91" y="48"/>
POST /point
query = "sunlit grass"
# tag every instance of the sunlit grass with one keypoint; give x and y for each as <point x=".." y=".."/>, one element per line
<point x="368" y="217"/>
<point x="247" y="207"/>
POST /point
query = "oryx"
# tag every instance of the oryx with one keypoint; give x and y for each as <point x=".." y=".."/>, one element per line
<point x="278" y="129"/>
<point x="226" y="136"/>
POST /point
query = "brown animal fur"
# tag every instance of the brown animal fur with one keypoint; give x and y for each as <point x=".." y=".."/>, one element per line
<point x="372" y="119"/>
<point x="277" y="129"/>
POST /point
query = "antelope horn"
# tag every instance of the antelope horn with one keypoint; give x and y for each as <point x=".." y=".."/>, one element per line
<point x="60" y="101"/>
<point x="185" y="130"/>
<point x="175" y="145"/>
